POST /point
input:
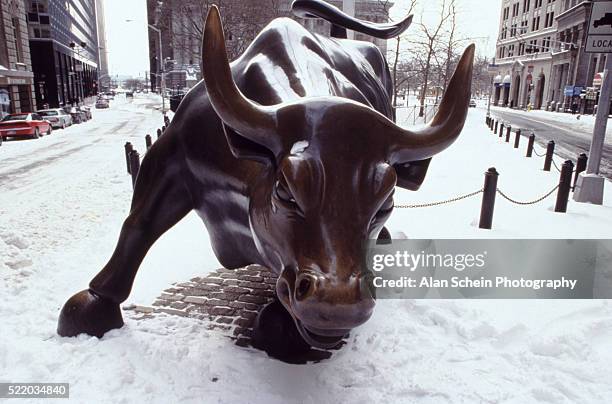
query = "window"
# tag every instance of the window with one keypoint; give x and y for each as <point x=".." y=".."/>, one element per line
<point x="521" y="49"/>
<point x="526" y="5"/>
<point x="18" y="44"/>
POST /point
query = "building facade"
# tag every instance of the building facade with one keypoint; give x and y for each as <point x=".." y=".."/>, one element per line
<point x="104" y="78"/>
<point x="65" y="50"/>
<point x="16" y="77"/>
<point x="540" y="59"/>
<point x="243" y="20"/>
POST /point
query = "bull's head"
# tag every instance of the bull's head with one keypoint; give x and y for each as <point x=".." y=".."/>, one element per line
<point x="331" y="166"/>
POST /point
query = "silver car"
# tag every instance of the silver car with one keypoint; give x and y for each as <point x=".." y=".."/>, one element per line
<point x="57" y="117"/>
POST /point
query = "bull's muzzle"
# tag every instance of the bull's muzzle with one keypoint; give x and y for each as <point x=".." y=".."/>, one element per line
<point x="324" y="307"/>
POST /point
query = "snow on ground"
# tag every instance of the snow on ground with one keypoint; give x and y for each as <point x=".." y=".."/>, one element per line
<point x="62" y="203"/>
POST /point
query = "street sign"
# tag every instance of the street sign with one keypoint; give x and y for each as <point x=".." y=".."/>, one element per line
<point x="599" y="33"/>
<point x="568" y="91"/>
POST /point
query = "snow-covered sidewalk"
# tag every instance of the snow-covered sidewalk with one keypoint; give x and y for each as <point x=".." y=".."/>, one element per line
<point x="59" y="223"/>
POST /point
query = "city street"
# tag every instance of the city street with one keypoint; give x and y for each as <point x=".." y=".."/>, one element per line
<point x="571" y="136"/>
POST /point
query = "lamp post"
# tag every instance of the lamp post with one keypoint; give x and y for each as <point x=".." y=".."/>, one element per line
<point x="80" y="69"/>
<point x="161" y="67"/>
<point x="162" y="83"/>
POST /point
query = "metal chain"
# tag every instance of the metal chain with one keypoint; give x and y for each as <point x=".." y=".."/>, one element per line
<point x="499" y="191"/>
<point x="425" y="205"/>
<point x="558" y="169"/>
<point x="538" y="154"/>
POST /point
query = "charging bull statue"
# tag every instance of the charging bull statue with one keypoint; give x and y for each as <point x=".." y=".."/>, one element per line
<point x="290" y="155"/>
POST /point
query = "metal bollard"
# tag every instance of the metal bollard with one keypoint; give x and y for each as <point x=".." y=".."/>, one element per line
<point x="148" y="141"/>
<point x="128" y="149"/>
<point x="501" y="130"/>
<point x="166" y="120"/>
<point x="565" y="184"/>
<point x="517" y="138"/>
<point x="530" y="144"/>
<point x="135" y="165"/>
<point x="487" y="120"/>
<point x="496" y="124"/>
<point x="508" y="132"/>
<point x="550" y="150"/>
<point x="488" y="198"/>
<point x="581" y="164"/>
<point x="163" y="128"/>
<point x="159" y="133"/>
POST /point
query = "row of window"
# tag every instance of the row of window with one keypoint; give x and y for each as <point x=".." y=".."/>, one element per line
<point x="516" y="8"/>
<point x="533" y="46"/>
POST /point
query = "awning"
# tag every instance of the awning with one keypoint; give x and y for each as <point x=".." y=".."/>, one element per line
<point x="497" y="79"/>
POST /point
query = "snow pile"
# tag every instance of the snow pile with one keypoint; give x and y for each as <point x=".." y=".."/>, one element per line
<point x="64" y="198"/>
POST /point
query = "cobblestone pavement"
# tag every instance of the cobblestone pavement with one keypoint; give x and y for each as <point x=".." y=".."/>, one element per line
<point x="229" y="300"/>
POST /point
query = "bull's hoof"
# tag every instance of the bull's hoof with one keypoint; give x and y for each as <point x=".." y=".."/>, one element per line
<point x="275" y="332"/>
<point x="89" y="313"/>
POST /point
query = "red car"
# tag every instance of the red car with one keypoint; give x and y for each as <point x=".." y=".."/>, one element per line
<point x="25" y="124"/>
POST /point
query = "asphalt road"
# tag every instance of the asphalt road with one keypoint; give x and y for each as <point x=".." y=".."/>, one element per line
<point x="569" y="142"/>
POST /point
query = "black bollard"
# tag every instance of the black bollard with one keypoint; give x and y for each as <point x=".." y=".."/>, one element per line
<point x="148" y="141"/>
<point x="163" y="129"/>
<point x="550" y="150"/>
<point x="135" y="165"/>
<point x="128" y="148"/>
<point x="565" y="184"/>
<point x="508" y="132"/>
<point x="159" y="133"/>
<point x="581" y="164"/>
<point x="488" y="198"/>
<point x="517" y="138"/>
<point x="496" y="125"/>
<point x="501" y="130"/>
<point x="530" y="144"/>
<point x="487" y="120"/>
<point x="166" y="120"/>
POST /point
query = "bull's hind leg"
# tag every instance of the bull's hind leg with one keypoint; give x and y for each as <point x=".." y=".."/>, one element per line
<point x="160" y="200"/>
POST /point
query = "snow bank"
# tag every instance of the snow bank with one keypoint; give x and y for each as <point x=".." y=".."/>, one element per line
<point x="64" y="198"/>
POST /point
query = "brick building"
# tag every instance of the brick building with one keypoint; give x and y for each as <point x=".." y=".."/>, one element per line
<point x="16" y="77"/>
<point x="540" y="57"/>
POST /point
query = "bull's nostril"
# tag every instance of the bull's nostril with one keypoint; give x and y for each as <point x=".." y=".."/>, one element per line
<point x="304" y="287"/>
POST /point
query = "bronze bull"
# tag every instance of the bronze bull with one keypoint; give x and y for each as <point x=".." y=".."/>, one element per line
<point x="290" y="155"/>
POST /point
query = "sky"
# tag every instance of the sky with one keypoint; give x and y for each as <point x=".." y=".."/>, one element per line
<point x="476" y="19"/>
<point x="127" y="42"/>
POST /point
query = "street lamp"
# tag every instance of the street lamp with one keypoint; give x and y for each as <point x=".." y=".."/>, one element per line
<point x="161" y="63"/>
<point x="79" y="68"/>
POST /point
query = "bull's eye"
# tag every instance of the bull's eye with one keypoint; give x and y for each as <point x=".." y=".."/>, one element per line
<point x="281" y="196"/>
<point x="282" y="193"/>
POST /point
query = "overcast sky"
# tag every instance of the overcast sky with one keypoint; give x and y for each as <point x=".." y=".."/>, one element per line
<point x="128" y="46"/>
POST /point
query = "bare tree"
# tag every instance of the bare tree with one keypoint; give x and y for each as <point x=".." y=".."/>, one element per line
<point x="428" y="47"/>
<point x="398" y="79"/>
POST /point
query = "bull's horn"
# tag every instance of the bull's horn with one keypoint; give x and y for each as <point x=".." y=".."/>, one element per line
<point x="257" y="123"/>
<point x="446" y="125"/>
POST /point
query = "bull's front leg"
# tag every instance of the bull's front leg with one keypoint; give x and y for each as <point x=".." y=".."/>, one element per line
<point x="160" y="200"/>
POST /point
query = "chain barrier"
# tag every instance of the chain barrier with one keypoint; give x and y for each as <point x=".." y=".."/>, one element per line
<point x="426" y="205"/>
<point x="540" y="199"/>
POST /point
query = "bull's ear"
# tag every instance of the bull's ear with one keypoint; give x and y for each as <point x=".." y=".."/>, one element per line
<point x="410" y="175"/>
<point x="244" y="148"/>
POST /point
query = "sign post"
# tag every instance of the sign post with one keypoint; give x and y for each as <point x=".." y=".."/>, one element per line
<point x="590" y="185"/>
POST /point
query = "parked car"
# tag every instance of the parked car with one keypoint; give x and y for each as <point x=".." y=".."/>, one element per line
<point x="87" y="112"/>
<point x="101" y="103"/>
<point x="57" y="117"/>
<point x="472" y="103"/>
<point x="129" y="94"/>
<point x="25" y="124"/>
<point x="77" y="116"/>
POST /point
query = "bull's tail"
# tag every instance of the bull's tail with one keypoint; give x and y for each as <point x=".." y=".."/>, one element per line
<point x="341" y="21"/>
